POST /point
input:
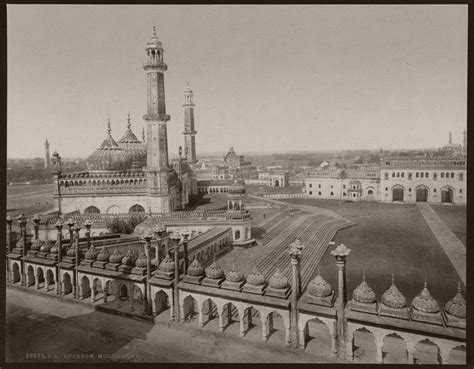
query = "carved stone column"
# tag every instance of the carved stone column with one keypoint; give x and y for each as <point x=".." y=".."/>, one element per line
<point x="77" y="228"/>
<point x="147" y="239"/>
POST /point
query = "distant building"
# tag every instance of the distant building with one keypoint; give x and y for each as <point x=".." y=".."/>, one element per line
<point x="278" y="178"/>
<point x="234" y="166"/>
<point x="47" y="159"/>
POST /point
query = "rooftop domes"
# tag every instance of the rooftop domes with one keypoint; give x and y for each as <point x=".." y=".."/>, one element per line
<point x="195" y="268"/>
<point x="36" y="245"/>
<point x="278" y="280"/>
<point x="235" y="275"/>
<point x="393" y="297"/>
<point x="128" y="258"/>
<point x="141" y="261"/>
<point x="55" y="248"/>
<point x="92" y="253"/>
<point x="256" y="278"/>
<point x="214" y="271"/>
<point x="457" y="305"/>
<point x="72" y="250"/>
<point x="425" y="302"/>
<point x="116" y="257"/>
<point x="167" y="265"/>
<point x="109" y="156"/>
<point x="319" y="287"/>
<point x="363" y="293"/>
<point x="103" y="255"/>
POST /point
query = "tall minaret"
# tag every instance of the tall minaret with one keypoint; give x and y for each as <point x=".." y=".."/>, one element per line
<point x="189" y="132"/>
<point x="156" y="118"/>
<point x="47" y="161"/>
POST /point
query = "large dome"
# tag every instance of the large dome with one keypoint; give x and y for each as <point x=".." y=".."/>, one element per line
<point x="109" y="156"/>
<point x="134" y="149"/>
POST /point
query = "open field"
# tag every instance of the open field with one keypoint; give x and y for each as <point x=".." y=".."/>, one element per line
<point x="29" y="199"/>
<point x="455" y="218"/>
<point x="389" y="238"/>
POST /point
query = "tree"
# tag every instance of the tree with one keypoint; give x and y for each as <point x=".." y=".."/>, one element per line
<point x="124" y="226"/>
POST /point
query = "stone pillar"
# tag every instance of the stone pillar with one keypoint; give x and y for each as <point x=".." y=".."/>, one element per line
<point x="241" y="326"/>
<point x="10" y="277"/>
<point x="59" y="227"/>
<point x="411" y="357"/>
<point x="36" y="222"/>
<point x="185" y="251"/>
<point x="70" y="224"/>
<point x="22" y="222"/>
<point x="295" y="252"/>
<point x="201" y="320"/>
<point x="340" y="253"/>
<point x="148" y="274"/>
<point x="221" y="322"/>
<point x="379" y="353"/>
<point x="106" y="293"/>
<point x="77" y="282"/>
<point x="264" y="331"/>
<point x="88" y="225"/>
<point x="176" y="279"/>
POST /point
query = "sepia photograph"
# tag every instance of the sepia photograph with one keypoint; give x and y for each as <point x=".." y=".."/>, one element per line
<point x="236" y="184"/>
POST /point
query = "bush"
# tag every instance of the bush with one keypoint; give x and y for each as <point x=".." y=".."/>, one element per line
<point x="125" y="226"/>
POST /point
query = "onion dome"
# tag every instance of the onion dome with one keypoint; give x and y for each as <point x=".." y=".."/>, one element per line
<point x="393" y="297"/>
<point x="214" y="271"/>
<point x="103" y="255"/>
<point x="116" y="257"/>
<point x="36" y="245"/>
<point x="134" y="149"/>
<point x="195" y="268"/>
<point x="19" y="243"/>
<point x="236" y="188"/>
<point x="319" y="287"/>
<point x="278" y="280"/>
<point x="46" y="247"/>
<point x="109" y="156"/>
<point x="128" y="258"/>
<point x="92" y="253"/>
<point x="141" y="261"/>
<point x="235" y="275"/>
<point x="425" y="302"/>
<point x="363" y="293"/>
<point x="167" y="265"/>
<point x="154" y="40"/>
<point x="256" y="278"/>
<point x="72" y="251"/>
<point x="457" y="305"/>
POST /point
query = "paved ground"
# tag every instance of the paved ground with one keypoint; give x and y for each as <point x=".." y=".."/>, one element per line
<point x="44" y="329"/>
<point x="455" y="218"/>
<point x="451" y="245"/>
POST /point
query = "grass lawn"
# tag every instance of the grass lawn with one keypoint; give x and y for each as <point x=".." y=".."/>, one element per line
<point x="389" y="238"/>
<point x="455" y="218"/>
<point x="29" y="199"/>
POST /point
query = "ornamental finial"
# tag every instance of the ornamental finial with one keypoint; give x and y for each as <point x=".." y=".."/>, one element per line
<point x="128" y="122"/>
<point x="426" y="283"/>
<point x="459" y="286"/>
<point x="109" y="130"/>
<point x="154" y="31"/>
<point x="393" y="278"/>
<point x="363" y="275"/>
<point x="143" y="134"/>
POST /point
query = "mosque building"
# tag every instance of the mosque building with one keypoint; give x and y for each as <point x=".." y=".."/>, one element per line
<point x="132" y="175"/>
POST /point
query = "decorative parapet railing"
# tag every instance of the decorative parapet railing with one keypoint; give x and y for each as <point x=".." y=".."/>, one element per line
<point x="107" y="188"/>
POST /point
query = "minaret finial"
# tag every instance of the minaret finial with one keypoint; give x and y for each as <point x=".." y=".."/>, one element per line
<point x="363" y="275"/>
<point x="128" y="122"/>
<point x="459" y="286"/>
<point x="426" y="283"/>
<point x="154" y="31"/>
<point x="109" y="130"/>
<point x="143" y="134"/>
<point x="393" y="278"/>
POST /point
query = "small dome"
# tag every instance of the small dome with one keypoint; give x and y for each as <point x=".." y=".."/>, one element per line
<point x="141" y="261"/>
<point x="116" y="257"/>
<point x="36" y="245"/>
<point x="128" y="258"/>
<point x="393" y="297"/>
<point x="235" y="275"/>
<point x="319" y="287"/>
<point x="425" y="302"/>
<point x="55" y="248"/>
<point x="46" y="247"/>
<point x="278" y="280"/>
<point x="363" y="293"/>
<point x="214" y="271"/>
<point x="457" y="305"/>
<point x="19" y="243"/>
<point x="92" y="253"/>
<point x="256" y="278"/>
<point x="236" y="188"/>
<point x="103" y="255"/>
<point x="134" y="149"/>
<point x="167" y="265"/>
<point x="195" y="268"/>
<point x="72" y="250"/>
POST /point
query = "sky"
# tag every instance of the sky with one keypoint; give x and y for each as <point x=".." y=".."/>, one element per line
<point x="266" y="78"/>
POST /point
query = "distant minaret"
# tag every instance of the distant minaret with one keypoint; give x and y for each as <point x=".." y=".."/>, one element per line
<point x="189" y="132"/>
<point x="47" y="161"/>
<point x="464" y="142"/>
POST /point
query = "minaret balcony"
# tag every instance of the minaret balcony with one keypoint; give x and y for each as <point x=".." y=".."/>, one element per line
<point x="156" y="117"/>
<point x="155" y="65"/>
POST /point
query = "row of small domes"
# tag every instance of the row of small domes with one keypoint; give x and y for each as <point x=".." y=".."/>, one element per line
<point x="423" y="301"/>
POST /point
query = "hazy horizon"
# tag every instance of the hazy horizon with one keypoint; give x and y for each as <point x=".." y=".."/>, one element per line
<point x="265" y="78"/>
